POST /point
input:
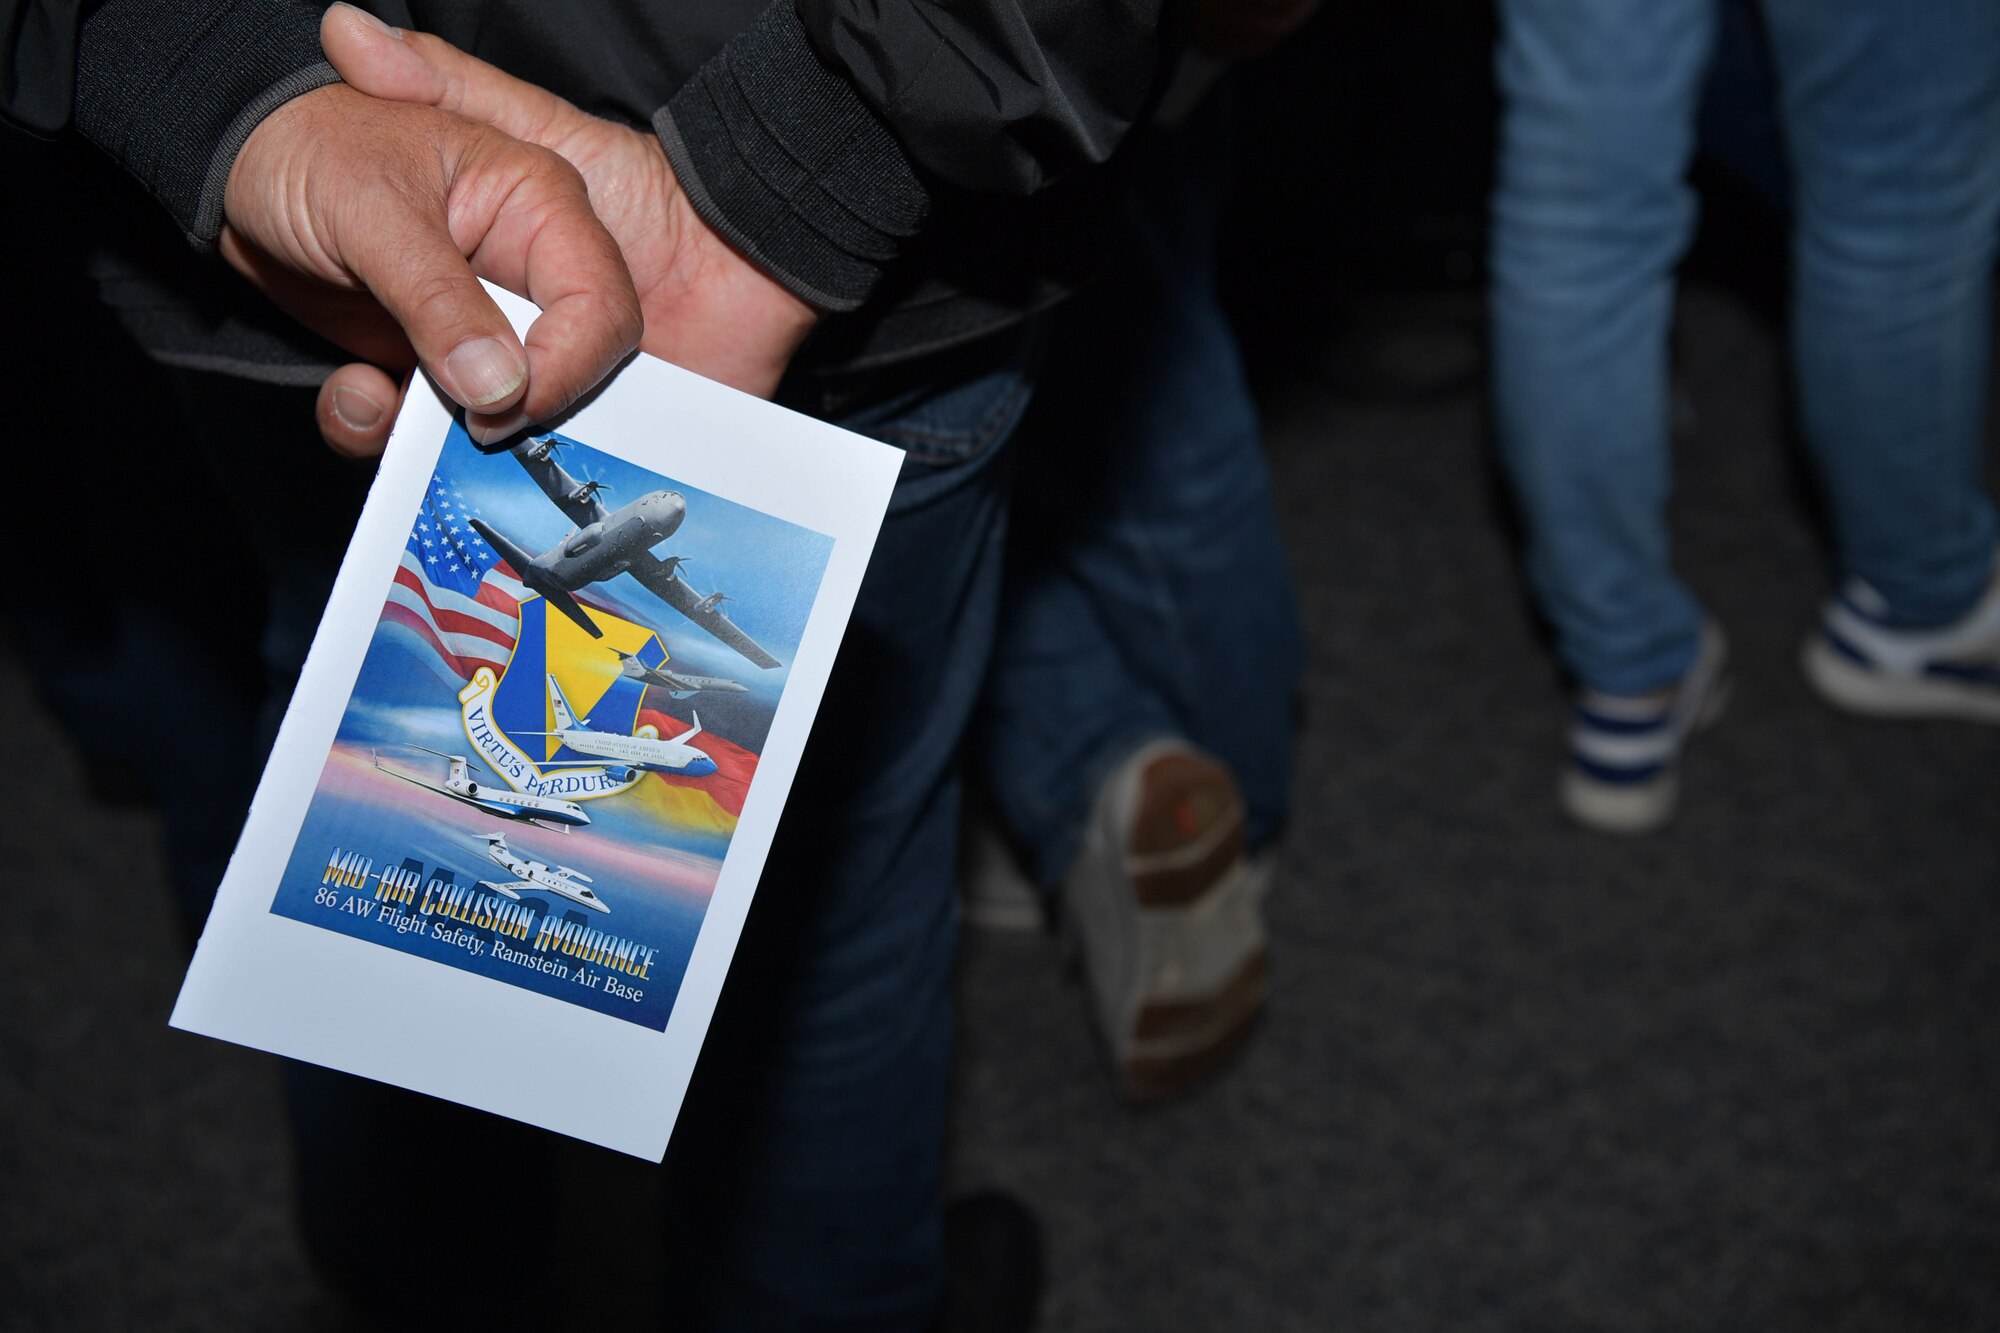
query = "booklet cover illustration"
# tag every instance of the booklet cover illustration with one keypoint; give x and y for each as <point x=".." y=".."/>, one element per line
<point x="540" y="769"/>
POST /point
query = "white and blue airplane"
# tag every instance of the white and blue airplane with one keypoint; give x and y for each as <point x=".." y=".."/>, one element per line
<point x="559" y="880"/>
<point x="679" y="684"/>
<point x="495" y="798"/>
<point x="634" y="753"/>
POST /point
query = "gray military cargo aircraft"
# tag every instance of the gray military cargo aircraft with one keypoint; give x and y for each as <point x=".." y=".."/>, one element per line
<point x="608" y="543"/>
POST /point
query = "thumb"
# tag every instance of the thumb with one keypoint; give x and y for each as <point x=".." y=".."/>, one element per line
<point x="402" y="66"/>
<point x="413" y="267"/>
<point x="357" y="406"/>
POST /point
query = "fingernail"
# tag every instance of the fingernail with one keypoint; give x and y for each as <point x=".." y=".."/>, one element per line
<point x="373" y="22"/>
<point x="485" y="370"/>
<point x="356" y="410"/>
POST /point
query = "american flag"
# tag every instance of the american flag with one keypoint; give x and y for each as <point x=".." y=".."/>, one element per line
<point x="452" y="589"/>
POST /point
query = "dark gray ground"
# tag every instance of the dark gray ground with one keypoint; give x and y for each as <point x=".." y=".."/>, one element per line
<point x="1741" y="1075"/>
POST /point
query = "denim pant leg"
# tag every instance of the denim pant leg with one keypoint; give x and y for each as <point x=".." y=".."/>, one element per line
<point x="280" y="519"/>
<point x="1892" y="113"/>
<point x="1591" y="214"/>
<point x="806" y="1174"/>
<point x="1147" y="591"/>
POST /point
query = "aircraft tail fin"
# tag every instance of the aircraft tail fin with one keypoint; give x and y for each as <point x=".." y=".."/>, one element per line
<point x="566" y="718"/>
<point x="572" y="608"/>
<point x="509" y="552"/>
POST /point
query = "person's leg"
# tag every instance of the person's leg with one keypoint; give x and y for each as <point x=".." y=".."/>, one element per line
<point x="1147" y="592"/>
<point x="265" y="453"/>
<point x="1590" y="216"/>
<point x="1893" y="118"/>
<point x="1135" y="734"/>
<point x="806" y="1173"/>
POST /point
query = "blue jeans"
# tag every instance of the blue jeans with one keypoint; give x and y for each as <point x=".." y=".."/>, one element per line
<point x="803" y="1184"/>
<point x="1147" y="593"/>
<point x="1892" y="120"/>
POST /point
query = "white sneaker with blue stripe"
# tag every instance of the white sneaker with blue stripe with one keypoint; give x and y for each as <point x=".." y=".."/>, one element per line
<point x="1623" y="774"/>
<point x="1859" y="662"/>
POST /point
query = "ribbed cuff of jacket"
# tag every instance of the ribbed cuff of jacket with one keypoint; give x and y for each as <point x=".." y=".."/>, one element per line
<point x="784" y="160"/>
<point x="172" y="93"/>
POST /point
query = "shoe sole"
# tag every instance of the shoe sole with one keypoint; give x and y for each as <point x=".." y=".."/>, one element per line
<point x="1178" y="1037"/>
<point x="1180" y="1043"/>
<point x="1638" y="807"/>
<point x="1853" y="688"/>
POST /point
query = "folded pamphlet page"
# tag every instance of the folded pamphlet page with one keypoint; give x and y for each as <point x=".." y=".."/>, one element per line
<point x="509" y="832"/>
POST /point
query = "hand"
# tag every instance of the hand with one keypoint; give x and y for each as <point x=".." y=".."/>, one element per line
<point x="369" y="220"/>
<point x="706" y="307"/>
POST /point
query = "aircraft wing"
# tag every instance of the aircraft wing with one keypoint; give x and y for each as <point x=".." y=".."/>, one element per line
<point x="559" y="485"/>
<point x="666" y="582"/>
<point x="439" y="788"/>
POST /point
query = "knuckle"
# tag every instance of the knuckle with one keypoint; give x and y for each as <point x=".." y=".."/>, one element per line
<point x="439" y="293"/>
<point x="437" y="55"/>
<point x="555" y="169"/>
<point x="631" y="318"/>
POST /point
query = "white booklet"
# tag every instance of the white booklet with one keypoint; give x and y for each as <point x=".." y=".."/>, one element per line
<point x="507" y="838"/>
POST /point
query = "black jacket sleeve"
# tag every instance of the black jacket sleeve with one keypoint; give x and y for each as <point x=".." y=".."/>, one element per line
<point x="815" y="138"/>
<point x="38" y="76"/>
<point x="1001" y="96"/>
<point x="170" y="91"/>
